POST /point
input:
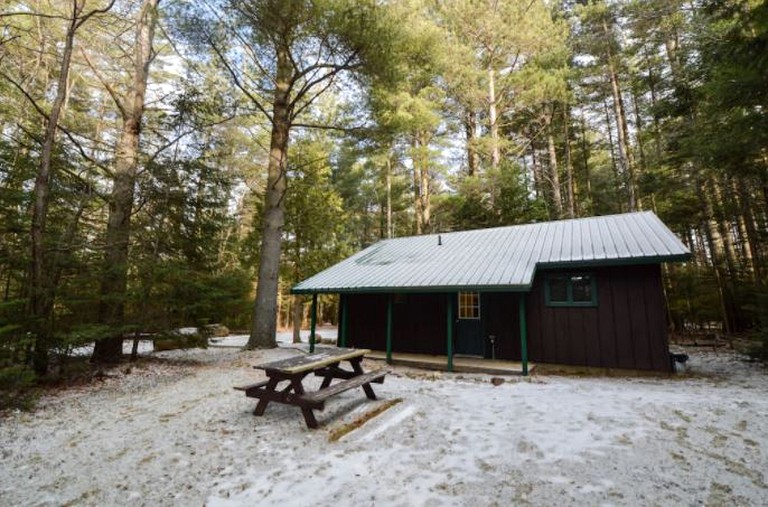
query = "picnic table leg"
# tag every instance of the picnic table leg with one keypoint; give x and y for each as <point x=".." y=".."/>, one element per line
<point x="358" y="369"/>
<point x="262" y="405"/>
<point x="309" y="416"/>
<point x="329" y="376"/>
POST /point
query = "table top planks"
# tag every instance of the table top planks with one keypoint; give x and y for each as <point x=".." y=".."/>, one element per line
<point x="310" y="362"/>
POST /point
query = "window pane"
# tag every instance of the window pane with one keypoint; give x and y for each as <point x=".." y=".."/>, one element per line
<point x="581" y="288"/>
<point x="469" y="305"/>
<point x="558" y="289"/>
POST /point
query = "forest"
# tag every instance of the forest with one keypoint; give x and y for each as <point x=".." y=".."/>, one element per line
<point x="169" y="163"/>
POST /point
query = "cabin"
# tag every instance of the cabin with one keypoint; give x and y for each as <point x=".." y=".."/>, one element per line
<point x="581" y="292"/>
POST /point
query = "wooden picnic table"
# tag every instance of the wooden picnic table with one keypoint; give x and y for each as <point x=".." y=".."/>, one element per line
<point x="324" y="362"/>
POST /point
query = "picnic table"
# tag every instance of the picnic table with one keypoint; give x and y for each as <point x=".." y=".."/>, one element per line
<point x="285" y="378"/>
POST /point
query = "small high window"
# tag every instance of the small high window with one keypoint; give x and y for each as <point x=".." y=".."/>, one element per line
<point x="570" y="290"/>
<point x="469" y="305"/>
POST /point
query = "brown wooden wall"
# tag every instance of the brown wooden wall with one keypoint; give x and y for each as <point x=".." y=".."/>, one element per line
<point x="627" y="328"/>
<point x="418" y="322"/>
<point x="499" y="313"/>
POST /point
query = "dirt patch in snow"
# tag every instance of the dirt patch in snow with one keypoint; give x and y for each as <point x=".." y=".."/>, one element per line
<point x="170" y="430"/>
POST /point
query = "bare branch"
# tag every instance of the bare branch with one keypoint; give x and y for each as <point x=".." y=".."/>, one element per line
<point x="185" y="133"/>
<point x="112" y="93"/>
<point x="93" y="13"/>
<point x="235" y="77"/>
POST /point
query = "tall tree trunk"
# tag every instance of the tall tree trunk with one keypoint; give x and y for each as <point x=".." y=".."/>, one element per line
<point x="298" y="317"/>
<point x="725" y="229"/>
<point x="426" y="206"/>
<point x="493" y="125"/>
<point x="554" y="176"/>
<point x="747" y="225"/>
<point x="42" y="284"/>
<point x="570" y="183"/>
<point x="115" y="274"/>
<point x="585" y="155"/>
<point x="654" y="108"/>
<point x="612" y="147"/>
<point x="265" y="307"/>
<point x="390" y="231"/>
<point x="538" y="184"/>
<point x="640" y="145"/>
<point x="622" y="131"/>
<point x="717" y="251"/>
<point x="41" y="300"/>
<point x="470" y="128"/>
<point x="417" y="202"/>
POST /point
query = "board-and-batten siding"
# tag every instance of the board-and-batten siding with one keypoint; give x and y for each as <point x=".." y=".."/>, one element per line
<point x="418" y="322"/>
<point x="627" y="329"/>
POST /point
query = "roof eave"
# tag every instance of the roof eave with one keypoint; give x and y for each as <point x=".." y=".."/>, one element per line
<point x="633" y="261"/>
<point x="411" y="290"/>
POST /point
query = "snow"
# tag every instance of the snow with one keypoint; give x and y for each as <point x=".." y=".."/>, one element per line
<point x="170" y="430"/>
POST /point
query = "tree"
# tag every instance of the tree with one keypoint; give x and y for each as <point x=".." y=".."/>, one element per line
<point x="114" y="281"/>
<point x="41" y="298"/>
<point x="283" y="55"/>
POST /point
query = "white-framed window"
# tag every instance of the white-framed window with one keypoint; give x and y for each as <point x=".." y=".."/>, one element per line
<point x="469" y="305"/>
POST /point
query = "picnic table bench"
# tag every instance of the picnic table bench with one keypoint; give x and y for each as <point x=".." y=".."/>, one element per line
<point x="324" y="362"/>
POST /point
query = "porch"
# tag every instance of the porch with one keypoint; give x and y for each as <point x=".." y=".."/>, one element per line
<point x="460" y="364"/>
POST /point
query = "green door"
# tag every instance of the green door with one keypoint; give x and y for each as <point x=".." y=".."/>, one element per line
<point x="469" y="329"/>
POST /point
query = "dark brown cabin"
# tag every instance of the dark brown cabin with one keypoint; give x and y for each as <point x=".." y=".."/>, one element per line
<point x="585" y="292"/>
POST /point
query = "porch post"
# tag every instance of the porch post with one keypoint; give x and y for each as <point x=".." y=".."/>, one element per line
<point x="449" y="334"/>
<point x="523" y="334"/>
<point x="389" y="329"/>
<point x="344" y="321"/>
<point x="313" y="323"/>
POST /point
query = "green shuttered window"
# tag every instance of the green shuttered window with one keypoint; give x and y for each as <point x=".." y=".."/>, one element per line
<point x="570" y="290"/>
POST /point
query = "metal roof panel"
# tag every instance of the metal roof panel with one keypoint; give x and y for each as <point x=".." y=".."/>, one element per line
<point x="499" y="258"/>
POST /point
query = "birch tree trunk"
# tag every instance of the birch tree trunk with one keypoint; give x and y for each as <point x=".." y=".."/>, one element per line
<point x="115" y="271"/>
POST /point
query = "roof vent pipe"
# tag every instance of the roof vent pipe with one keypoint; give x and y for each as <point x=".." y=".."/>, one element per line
<point x="439" y="240"/>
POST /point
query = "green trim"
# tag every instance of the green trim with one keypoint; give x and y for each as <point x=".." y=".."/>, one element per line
<point x="389" y="330"/>
<point x="523" y="334"/>
<point x="626" y="261"/>
<point x="344" y="321"/>
<point x="570" y="303"/>
<point x="312" y="323"/>
<point x="449" y="333"/>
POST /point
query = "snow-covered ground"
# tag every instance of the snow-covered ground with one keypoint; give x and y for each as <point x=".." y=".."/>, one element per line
<point x="170" y="430"/>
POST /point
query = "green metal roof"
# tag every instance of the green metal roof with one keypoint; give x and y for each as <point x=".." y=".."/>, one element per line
<point x="501" y="258"/>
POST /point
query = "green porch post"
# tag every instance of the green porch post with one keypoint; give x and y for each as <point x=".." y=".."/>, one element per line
<point x="523" y="335"/>
<point x="449" y="334"/>
<point x="389" y="329"/>
<point x="344" y="321"/>
<point x="312" y="323"/>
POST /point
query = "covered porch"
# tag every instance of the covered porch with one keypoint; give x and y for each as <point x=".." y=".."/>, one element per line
<point x="429" y="330"/>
